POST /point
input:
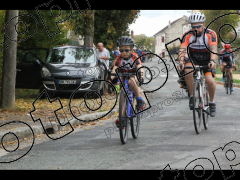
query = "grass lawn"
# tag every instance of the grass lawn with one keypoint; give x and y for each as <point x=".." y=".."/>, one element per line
<point x="234" y="81"/>
<point x="218" y="70"/>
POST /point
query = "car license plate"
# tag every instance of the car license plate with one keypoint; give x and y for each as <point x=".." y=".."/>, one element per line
<point x="67" y="82"/>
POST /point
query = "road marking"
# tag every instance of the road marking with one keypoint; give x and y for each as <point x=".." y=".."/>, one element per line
<point x="175" y="75"/>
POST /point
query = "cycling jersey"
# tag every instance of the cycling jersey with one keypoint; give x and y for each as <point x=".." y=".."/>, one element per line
<point x="121" y="62"/>
<point x="226" y="56"/>
<point x="197" y="50"/>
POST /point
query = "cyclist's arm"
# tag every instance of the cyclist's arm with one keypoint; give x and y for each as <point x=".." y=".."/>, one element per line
<point x="142" y="73"/>
<point x="213" y="48"/>
<point x="113" y="71"/>
<point x="181" y="53"/>
<point x="233" y="61"/>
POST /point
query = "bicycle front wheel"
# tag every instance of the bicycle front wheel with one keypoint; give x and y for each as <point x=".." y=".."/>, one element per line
<point x="197" y="107"/>
<point x="135" y="121"/>
<point x="206" y="105"/>
<point x="226" y="82"/>
<point x="123" y="125"/>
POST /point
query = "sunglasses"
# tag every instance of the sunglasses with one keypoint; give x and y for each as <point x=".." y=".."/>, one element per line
<point x="122" y="50"/>
<point x="198" y="26"/>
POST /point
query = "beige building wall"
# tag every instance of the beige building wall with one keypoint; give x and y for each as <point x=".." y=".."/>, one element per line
<point x="159" y="45"/>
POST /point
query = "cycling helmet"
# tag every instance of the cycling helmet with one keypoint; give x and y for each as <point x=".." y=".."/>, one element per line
<point x="196" y="18"/>
<point x="227" y="46"/>
<point x="125" y="41"/>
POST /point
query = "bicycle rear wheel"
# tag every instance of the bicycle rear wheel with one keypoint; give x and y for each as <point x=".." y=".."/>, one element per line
<point x="123" y="125"/>
<point x="135" y="121"/>
<point x="197" y="107"/>
<point x="207" y="111"/>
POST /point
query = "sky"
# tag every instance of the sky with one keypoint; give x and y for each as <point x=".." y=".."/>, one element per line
<point x="151" y="21"/>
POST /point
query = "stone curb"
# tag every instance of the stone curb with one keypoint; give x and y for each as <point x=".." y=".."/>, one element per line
<point x="234" y="84"/>
<point x="25" y="132"/>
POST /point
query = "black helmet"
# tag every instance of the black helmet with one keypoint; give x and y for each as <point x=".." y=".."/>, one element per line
<point x="125" y="41"/>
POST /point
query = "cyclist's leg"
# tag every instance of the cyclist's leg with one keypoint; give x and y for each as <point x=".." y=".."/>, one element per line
<point x="230" y="69"/>
<point x="223" y="71"/>
<point x="189" y="78"/>
<point x="133" y="84"/>
<point x="231" y="75"/>
<point x="211" y="89"/>
<point x="211" y="85"/>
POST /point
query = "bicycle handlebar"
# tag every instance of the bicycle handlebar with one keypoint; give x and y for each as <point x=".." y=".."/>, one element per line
<point x="127" y="74"/>
<point x="199" y="67"/>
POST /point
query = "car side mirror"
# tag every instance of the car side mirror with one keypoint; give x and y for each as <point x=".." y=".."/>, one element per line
<point x="37" y="62"/>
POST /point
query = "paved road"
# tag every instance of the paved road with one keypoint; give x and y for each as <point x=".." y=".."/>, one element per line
<point x="167" y="136"/>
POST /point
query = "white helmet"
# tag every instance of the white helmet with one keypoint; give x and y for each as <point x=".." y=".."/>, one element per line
<point x="196" y="18"/>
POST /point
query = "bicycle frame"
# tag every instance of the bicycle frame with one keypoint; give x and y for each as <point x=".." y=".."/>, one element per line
<point x="131" y="95"/>
<point x="199" y="76"/>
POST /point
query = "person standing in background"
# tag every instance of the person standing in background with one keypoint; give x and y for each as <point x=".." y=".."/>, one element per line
<point x="103" y="54"/>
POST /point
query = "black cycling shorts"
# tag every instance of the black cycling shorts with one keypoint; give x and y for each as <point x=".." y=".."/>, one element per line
<point x="207" y="71"/>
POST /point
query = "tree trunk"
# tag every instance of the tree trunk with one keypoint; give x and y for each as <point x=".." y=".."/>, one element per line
<point x="9" y="62"/>
<point x="88" y="39"/>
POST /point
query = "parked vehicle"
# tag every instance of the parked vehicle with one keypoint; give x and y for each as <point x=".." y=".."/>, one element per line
<point x="62" y="70"/>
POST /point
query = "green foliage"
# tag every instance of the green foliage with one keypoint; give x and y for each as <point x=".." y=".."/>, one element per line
<point x="109" y="25"/>
<point x="41" y="38"/>
<point x="143" y="40"/>
<point x="232" y="19"/>
<point x="136" y="37"/>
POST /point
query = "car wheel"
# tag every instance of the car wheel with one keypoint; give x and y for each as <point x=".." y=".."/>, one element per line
<point x="103" y="89"/>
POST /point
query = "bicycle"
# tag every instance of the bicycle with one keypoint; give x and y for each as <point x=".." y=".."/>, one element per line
<point x="129" y="114"/>
<point x="228" y="80"/>
<point x="201" y="109"/>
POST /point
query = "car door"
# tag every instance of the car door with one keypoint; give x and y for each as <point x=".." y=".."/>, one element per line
<point x="28" y="69"/>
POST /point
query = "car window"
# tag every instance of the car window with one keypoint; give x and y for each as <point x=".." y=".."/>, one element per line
<point x="71" y="55"/>
<point x="27" y="56"/>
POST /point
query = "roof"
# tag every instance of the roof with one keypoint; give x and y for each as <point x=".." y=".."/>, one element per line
<point x="167" y="26"/>
<point x="71" y="46"/>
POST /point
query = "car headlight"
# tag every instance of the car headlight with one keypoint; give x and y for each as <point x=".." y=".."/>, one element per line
<point x="91" y="71"/>
<point x="46" y="72"/>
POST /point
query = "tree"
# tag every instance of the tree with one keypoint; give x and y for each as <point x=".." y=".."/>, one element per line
<point x="9" y="61"/>
<point x="89" y="35"/>
<point x="2" y="22"/>
<point x="232" y="19"/>
<point x="136" y="37"/>
<point x="143" y="40"/>
<point x="26" y="39"/>
<point x="109" y="25"/>
<point x="41" y="38"/>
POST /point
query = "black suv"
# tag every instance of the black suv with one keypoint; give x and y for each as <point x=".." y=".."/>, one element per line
<point x="62" y="70"/>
